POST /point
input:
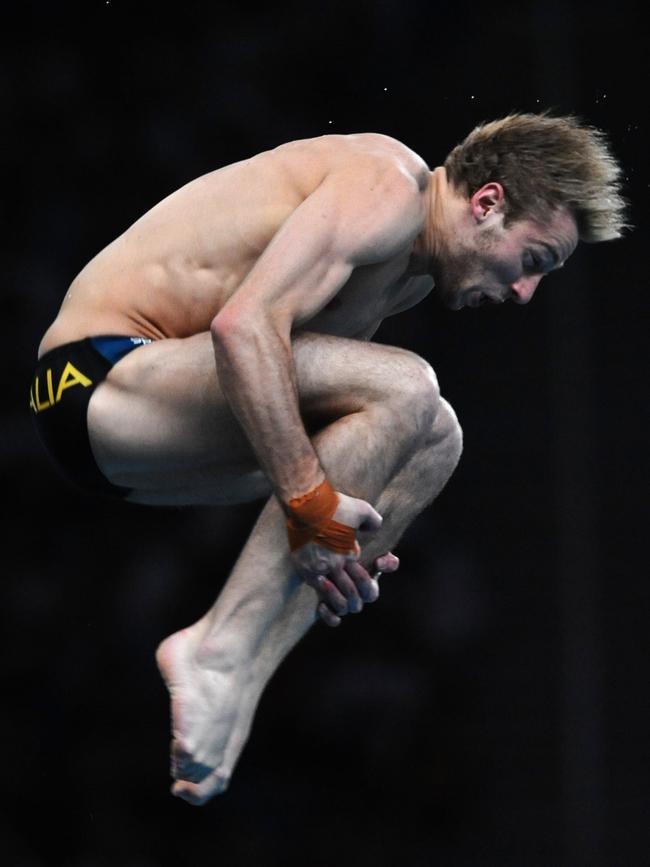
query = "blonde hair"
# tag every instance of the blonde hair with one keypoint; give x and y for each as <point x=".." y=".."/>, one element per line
<point x="545" y="163"/>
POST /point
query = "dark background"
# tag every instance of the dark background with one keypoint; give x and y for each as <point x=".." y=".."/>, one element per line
<point x="492" y="708"/>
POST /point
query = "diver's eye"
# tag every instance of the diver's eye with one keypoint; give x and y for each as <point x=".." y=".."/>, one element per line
<point x="532" y="263"/>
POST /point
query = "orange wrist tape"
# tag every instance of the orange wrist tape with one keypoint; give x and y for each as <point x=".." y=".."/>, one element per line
<point x="310" y="520"/>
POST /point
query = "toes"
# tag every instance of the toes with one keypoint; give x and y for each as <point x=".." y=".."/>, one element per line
<point x="184" y="767"/>
<point x="193" y="772"/>
<point x="198" y="794"/>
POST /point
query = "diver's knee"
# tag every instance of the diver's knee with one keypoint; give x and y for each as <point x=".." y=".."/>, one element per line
<point x="415" y="395"/>
<point x="446" y="435"/>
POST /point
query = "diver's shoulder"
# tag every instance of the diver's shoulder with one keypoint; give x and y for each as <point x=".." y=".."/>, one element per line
<point x="391" y="151"/>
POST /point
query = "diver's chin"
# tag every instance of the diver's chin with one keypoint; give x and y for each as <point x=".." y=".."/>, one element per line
<point x="450" y="300"/>
<point x="455" y="300"/>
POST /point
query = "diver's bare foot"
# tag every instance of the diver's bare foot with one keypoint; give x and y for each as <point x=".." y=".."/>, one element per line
<point x="213" y="701"/>
<point x="205" y="698"/>
<point x="217" y="781"/>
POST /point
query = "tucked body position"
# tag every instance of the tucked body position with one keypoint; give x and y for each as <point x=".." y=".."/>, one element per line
<point x="220" y="351"/>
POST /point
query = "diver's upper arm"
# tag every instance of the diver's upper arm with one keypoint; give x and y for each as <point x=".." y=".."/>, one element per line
<point x="352" y="219"/>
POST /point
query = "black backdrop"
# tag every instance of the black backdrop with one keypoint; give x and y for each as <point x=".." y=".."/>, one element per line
<point x="492" y="708"/>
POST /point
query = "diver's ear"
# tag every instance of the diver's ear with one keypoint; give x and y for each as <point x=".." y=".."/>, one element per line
<point x="488" y="200"/>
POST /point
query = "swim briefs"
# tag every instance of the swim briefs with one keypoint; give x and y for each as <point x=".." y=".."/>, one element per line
<point x="63" y="383"/>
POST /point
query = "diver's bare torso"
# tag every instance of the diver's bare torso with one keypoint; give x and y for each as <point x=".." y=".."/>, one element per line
<point x="173" y="270"/>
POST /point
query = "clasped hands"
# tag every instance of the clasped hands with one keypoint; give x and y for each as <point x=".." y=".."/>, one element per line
<point x="342" y="583"/>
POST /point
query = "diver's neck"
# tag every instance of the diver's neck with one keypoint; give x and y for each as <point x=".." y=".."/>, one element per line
<point x="427" y="244"/>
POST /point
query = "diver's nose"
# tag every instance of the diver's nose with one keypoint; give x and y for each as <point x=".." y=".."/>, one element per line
<point x="523" y="289"/>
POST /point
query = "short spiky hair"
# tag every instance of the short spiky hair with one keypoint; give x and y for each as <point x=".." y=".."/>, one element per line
<point x="543" y="163"/>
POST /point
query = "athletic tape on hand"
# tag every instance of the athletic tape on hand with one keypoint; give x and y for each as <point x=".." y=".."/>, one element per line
<point x="310" y="520"/>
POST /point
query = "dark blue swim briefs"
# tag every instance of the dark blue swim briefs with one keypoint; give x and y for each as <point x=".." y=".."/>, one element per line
<point x="63" y="383"/>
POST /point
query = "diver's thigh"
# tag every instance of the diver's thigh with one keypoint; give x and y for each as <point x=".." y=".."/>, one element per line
<point x="160" y="422"/>
<point x="161" y="413"/>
